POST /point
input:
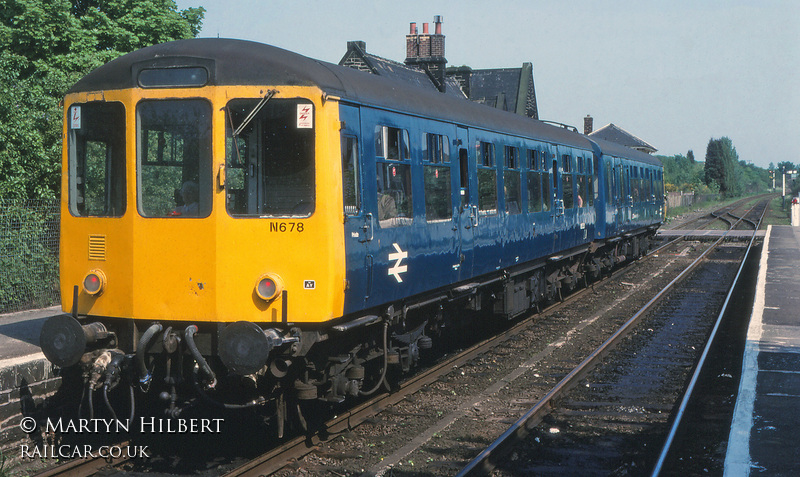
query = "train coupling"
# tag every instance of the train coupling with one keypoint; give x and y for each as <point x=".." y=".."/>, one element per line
<point x="105" y="367"/>
<point x="64" y="340"/>
<point x="244" y="347"/>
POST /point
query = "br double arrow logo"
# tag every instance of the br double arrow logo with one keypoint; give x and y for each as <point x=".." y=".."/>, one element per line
<point x="397" y="269"/>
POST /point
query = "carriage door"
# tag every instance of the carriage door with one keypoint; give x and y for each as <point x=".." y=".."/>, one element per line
<point x="558" y="198"/>
<point x="358" y="225"/>
<point x="616" y="200"/>
<point x="467" y="205"/>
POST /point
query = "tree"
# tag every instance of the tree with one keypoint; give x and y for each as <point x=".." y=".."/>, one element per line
<point x="45" y="47"/>
<point x="683" y="174"/>
<point x="690" y="156"/>
<point x="720" y="166"/>
<point x="784" y="166"/>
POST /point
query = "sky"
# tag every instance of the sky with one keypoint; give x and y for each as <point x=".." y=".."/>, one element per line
<point x="674" y="73"/>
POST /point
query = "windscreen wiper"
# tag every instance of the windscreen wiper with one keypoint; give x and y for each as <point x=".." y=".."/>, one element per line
<point x="254" y="112"/>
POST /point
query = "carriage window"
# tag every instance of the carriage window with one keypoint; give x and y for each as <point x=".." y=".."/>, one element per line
<point x="394" y="194"/>
<point x="270" y="163"/>
<point x="437" y="193"/>
<point x="436" y="172"/>
<point x="391" y="143"/>
<point x="511" y="181"/>
<point x="533" y="159"/>
<point x="567" y="192"/>
<point x="174" y="158"/>
<point x="96" y="141"/>
<point x="395" y="207"/>
<point x="436" y="148"/>
<point x="546" y="195"/>
<point x="534" y="191"/>
<point x="582" y="183"/>
<point x="487" y="179"/>
<point x="351" y="180"/>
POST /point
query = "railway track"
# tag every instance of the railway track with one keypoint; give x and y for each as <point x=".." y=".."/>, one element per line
<point x="290" y="453"/>
<point x="294" y="449"/>
<point x="602" y="416"/>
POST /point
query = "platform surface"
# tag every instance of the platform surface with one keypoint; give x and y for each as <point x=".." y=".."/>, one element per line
<point x="19" y="332"/>
<point x="764" y="434"/>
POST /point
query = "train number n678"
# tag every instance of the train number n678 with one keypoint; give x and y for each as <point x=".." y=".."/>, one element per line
<point x="286" y="227"/>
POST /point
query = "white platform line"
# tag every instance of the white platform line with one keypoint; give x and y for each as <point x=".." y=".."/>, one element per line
<point x="737" y="458"/>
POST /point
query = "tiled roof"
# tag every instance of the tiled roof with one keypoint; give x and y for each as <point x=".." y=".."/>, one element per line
<point x="359" y="59"/>
<point x="616" y="134"/>
<point x="495" y="86"/>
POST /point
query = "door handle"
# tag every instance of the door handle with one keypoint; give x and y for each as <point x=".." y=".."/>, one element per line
<point x="367" y="228"/>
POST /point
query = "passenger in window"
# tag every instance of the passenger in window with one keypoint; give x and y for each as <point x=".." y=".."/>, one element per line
<point x="512" y="206"/>
<point x="189" y="194"/>
<point x="387" y="207"/>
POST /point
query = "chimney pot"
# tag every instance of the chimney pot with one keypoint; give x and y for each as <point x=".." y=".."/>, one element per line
<point x="413" y="28"/>
<point x="588" y="124"/>
<point x="425" y="29"/>
<point x="437" y="20"/>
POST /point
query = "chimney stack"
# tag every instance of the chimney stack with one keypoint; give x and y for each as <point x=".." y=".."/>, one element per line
<point x="426" y="51"/>
<point x="588" y="125"/>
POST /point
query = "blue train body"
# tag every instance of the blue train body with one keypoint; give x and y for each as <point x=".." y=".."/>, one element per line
<point x="516" y="200"/>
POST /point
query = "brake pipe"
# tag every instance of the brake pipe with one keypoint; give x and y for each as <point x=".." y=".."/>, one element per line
<point x="141" y="351"/>
<point x="201" y="362"/>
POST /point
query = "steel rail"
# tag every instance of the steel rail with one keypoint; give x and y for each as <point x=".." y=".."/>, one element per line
<point x="296" y="448"/>
<point x="278" y="458"/>
<point x="698" y="368"/>
<point x="481" y="464"/>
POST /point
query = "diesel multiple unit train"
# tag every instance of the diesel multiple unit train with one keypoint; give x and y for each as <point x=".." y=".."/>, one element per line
<point x="255" y="226"/>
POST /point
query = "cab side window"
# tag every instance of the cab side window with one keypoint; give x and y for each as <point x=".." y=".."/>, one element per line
<point x="351" y="177"/>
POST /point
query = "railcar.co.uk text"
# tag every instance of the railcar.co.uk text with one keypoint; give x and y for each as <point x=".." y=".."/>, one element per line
<point x="146" y="425"/>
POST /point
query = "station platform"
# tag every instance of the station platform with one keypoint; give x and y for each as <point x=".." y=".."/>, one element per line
<point x="19" y="332"/>
<point x="27" y="379"/>
<point x="764" y="432"/>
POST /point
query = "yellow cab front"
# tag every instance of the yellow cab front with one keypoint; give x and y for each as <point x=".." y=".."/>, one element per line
<point x="206" y="204"/>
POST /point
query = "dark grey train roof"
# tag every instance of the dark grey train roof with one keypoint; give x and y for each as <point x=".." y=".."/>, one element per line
<point x="239" y="62"/>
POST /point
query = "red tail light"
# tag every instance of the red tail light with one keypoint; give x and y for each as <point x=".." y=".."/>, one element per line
<point x="268" y="287"/>
<point x="94" y="282"/>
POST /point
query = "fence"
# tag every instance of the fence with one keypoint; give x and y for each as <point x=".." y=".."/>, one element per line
<point x="687" y="199"/>
<point x="29" y="232"/>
